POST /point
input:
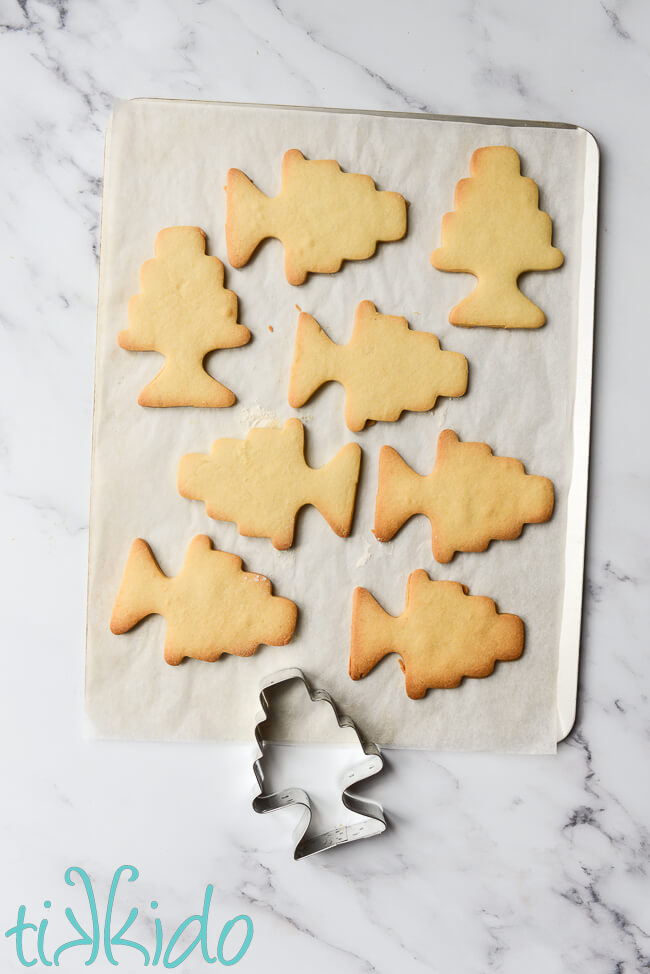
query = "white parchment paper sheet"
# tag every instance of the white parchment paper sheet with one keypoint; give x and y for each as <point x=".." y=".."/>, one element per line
<point x="166" y="165"/>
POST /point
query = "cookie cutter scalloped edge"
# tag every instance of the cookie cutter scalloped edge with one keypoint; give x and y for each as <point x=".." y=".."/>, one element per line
<point x="374" y="819"/>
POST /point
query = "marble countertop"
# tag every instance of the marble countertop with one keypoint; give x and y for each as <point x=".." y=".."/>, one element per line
<point x="494" y="863"/>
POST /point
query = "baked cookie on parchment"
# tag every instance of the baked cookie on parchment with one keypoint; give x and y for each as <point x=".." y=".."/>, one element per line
<point x="183" y="311"/>
<point x="262" y="481"/>
<point x="322" y="216"/>
<point x="470" y="498"/>
<point x="386" y="367"/>
<point x="496" y="232"/>
<point x="442" y="635"/>
<point x="211" y="607"/>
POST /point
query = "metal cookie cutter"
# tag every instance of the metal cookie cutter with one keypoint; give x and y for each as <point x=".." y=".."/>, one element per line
<point x="374" y="822"/>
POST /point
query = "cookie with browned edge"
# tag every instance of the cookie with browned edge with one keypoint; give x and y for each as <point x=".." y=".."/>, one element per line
<point x="442" y="635"/>
<point x="496" y="232"/>
<point x="386" y="367"/>
<point x="322" y="215"/>
<point x="470" y="498"/>
<point x="211" y="607"/>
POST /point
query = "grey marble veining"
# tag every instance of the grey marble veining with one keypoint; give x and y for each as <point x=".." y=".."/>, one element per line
<point x="494" y="863"/>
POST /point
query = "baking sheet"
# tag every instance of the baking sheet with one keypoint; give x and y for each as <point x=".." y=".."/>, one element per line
<point x="166" y="164"/>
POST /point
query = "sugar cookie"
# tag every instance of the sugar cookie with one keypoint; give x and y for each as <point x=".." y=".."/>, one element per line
<point x="322" y="216"/>
<point x="442" y="635"/>
<point x="211" y="607"/>
<point x="184" y="312"/>
<point x="386" y="367"/>
<point x="496" y="232"/>
<point x="470" y="498"/>
<point x="261" y="483"/>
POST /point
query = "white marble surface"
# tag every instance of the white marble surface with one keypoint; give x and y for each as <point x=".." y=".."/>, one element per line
<point x="494" y="863"/>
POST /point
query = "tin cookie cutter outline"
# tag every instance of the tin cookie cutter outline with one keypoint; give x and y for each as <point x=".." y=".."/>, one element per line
<point x="374" y="819"/>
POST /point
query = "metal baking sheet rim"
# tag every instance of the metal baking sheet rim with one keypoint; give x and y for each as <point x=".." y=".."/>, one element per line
<point x="571" y="619"/>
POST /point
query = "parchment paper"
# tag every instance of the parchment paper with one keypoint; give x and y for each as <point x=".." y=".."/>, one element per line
<point x="166" y="164"/>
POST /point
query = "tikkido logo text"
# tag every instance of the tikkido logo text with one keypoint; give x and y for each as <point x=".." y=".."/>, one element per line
<point x="105" y="938"/>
